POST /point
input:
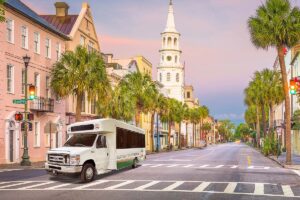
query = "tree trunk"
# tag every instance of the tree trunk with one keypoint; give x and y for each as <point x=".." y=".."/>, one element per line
<point x="151" y="131"/>
<point x="169" y="133"/>
<point x="271" y="117"/>
<point x="187" y="136"/>
<point x="257" y="127"/>
<point x="179" y="134"/>
<point x="78" y="107"/>
<point x="263" y="119"/>
<point x="193" y="134"/>
<point x="137" y="117"/>
<point x="287" y="114"/>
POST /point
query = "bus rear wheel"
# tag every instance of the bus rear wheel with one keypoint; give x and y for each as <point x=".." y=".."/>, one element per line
<point x="88" y="173"/>
<point x="135" y="162"/>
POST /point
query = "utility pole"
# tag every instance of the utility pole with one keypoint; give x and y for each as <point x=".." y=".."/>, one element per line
<point x="25" y="158"/>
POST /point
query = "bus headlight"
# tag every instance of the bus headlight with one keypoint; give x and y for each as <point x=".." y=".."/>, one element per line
<point x="75" y="160"/>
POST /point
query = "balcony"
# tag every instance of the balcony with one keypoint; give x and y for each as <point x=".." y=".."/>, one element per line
<point x="42" y="104"/>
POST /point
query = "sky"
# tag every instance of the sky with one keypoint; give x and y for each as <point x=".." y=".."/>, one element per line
<point x="218" y="54"/>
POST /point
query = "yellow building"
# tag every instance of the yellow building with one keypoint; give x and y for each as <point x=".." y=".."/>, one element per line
<point x="81" y="30"/>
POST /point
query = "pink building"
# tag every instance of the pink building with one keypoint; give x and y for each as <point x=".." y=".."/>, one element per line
<point x="25" y="32"/>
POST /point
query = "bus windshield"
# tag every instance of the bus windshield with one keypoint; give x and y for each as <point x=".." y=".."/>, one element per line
<point x="81" y="140"/>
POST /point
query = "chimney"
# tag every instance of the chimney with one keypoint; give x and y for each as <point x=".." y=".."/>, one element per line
<point x="61" y="9"/>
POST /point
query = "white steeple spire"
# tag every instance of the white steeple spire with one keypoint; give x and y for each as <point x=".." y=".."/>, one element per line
<point x="170" y="27"/>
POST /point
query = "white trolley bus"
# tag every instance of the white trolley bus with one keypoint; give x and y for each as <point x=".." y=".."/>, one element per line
<point x="97" y="147"/>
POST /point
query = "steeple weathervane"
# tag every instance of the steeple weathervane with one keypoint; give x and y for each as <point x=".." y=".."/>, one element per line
<point x="171" y="2"/>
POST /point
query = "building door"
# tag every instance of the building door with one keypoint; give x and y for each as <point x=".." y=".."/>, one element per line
<point x="11" y="145"/>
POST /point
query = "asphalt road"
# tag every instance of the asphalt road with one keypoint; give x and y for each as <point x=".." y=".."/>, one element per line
<point x="227" y="171"/>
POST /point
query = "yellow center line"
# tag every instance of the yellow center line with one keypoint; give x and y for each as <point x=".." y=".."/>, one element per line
<point x="249" y="160"/>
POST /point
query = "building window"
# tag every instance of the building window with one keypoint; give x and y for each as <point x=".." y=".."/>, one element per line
<point x="10" y="79"/>
<point x="10" y="30"/>
<point x="90" y="46"/>
<point x="36" y="42"/>
<point x="175" y="59"/>
<point x="48" y="48"/>
<point x="175" y="42"/>
<point x="164" y="41"/>
<point x="37" y="135"/>
<point x="162" y="58"/>
<point x="37" y="83"/>
<point x="168" y="76"/>
<point x="169" y="58"/>
<point x="93" y="106"/>
<point x="160" y="77"/>
<point x="169" y="42"/>
<point x="58" y="51"/>
<point x="24" y="32"/>
<point x="82" y="40"/>
<point x="48" y="93"/>
<point x="188" y="95"/>
<point x="177" y="77"/>
<point x="83" y="103"/>
<point x="23" y="81"/>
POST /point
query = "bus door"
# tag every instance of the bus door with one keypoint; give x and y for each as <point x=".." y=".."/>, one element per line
<point x="101" y="153"/>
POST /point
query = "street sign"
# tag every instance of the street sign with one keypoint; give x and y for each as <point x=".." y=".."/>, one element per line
<point x="19" y="101"/>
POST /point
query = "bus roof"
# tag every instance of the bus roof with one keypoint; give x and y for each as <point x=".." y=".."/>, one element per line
<point x="104" y="124"/>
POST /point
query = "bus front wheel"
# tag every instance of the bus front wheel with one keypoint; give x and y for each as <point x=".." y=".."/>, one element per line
<point x="88" y="173"/>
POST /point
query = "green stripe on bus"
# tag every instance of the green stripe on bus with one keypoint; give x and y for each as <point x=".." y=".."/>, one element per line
<point x="124" y="164"/>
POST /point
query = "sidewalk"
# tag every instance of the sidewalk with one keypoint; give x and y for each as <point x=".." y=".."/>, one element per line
<point x="34" y="165"/>
<point x="281" y="160"/>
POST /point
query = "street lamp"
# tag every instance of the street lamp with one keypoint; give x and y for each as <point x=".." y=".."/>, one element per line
<point x="25" y="158"/>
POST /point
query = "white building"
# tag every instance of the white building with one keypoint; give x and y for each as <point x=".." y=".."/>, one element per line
<point x="170" y="72"/>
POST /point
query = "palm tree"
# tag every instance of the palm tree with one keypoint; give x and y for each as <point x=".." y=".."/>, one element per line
<point x="252" y="98"/>
<point x="204" y="112"/>
<point x="161" y="109"/>
<point x="206" y="127"/>
<point x="2" y="12"/>
<point x="250" y="116"/>
<point x="273" y="90"/>
<point x="277" y="24"/>
<point x="186" y="118"/>
<point x="119" y="105"/>
<point x="195" y="119"/>
<point x="79" y="73"/>
<point x="142" y="91"/>
<point x="179" y="116"/>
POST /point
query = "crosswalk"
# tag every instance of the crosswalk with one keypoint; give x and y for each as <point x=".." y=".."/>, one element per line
<point x="245" y="188"/>
<point x="194" y="166"/>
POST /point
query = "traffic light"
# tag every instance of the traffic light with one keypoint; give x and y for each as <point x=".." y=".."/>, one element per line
<point x="293" y="87"/>
<point x="30" y="116"/>
<point x="18" y="117"/>
<point x="31" y="92"/>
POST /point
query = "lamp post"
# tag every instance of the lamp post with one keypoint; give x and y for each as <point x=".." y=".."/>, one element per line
<point x="25" y="158"/>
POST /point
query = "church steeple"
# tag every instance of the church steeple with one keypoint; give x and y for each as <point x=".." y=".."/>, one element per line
<point x="170" y="27"/>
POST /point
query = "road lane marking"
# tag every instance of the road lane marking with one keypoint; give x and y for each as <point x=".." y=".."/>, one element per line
<point x="297" y="172"/>
<point x="287" y="191"/>
<point x="91" y="184"/>
<point x="147" y="185"/>
<point x="58" y="186"/>
<point x="16" y="184"/>
<point x="173" y="186"/>
<point x="174" y="165"/>
<point x="186" y="166"/>
<point x="249" y="160"/>
<point x="36" y="185"/>
<point x="158" y="165"/>
<point x="259" y="188"/>
<point x="203" y="166"/>
<point x="230" y="187"/>
<point x="9" y="170"/>
<point x="201" y="187"/>
<point x="118" y="185"/>
<point x="219" y="166"/>
<point x="234" y="166"/>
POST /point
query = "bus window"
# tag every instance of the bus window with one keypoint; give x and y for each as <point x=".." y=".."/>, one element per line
<point x="129" y="139"/>
<point x="101" y="142"/>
